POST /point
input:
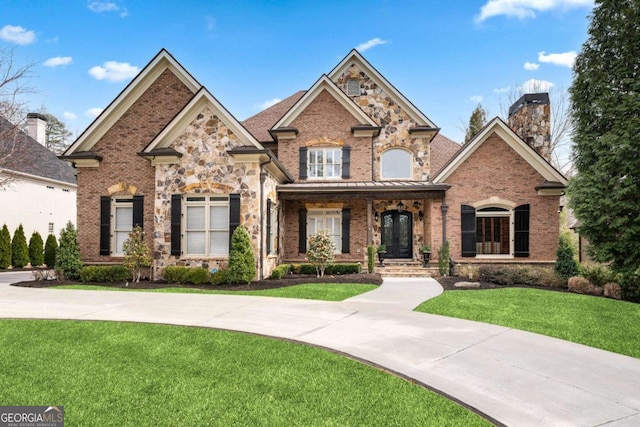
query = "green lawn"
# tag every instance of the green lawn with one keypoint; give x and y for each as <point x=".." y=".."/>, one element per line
<point x="597" y="322"/>
<point x="317" y="291"/>
<point x="127" y="374"/>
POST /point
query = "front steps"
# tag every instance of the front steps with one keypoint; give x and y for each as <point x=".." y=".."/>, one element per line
<point x="405" y="268"/>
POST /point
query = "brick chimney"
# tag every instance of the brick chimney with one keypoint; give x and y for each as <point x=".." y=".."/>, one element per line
<point x="36" y="127"/>
<point x="530" y="119"/>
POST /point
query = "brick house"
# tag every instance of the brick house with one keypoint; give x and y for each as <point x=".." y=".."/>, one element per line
<point x="351" y="155"/>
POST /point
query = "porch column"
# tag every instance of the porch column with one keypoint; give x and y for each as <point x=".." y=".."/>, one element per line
<point x="369" y="222"/>
<point x="444" y="209"/>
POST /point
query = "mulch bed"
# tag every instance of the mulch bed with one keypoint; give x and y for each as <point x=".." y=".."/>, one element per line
<point x="448" y="283"/>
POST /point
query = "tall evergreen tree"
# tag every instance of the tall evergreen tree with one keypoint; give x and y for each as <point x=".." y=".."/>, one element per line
<point x="605" y="98"/>
<point x="19" y="249"/>
<point x="50" y="249"/>
<point x="5" y="247"/>
<point x="36" y="250"/>
<point x="476" y="122"/>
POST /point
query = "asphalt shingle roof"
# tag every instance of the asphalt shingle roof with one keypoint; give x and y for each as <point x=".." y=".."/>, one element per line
<point x="21" y="153"/>
<point x="260" y="124"/>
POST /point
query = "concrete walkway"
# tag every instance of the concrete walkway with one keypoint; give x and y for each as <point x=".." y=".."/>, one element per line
<point x="517" y="378"/>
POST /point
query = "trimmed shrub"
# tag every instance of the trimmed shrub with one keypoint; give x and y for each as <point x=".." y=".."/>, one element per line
<point x="581" y="285"/>
<point x="280" y="271"/>
<point x="612" y="290"/>
<point x="219" y="277"/>
<point x="443" y="259"/>
<point x="136" y="253"/>
<point x="68" y="264"/>
<point x="19" y="249"/>
<point x="105" y="273"/>
<point x="598" y="274"/>
<point x="630" y="285"/>
<point x="566" y="264"/>
<point x="320" y="252"/>
<point x="175" y="274"/>
<point x="5" y="248"/>
<point x="50" y="249"/>
<point x="520" y="275"/>
<point x="242" y="264"/>
<point x="198" y="276"/>
<point x="296" y="268"/>
<point x="332" y="269"/>
<point x="371" y="258"/>
<point x="36" y="250"/>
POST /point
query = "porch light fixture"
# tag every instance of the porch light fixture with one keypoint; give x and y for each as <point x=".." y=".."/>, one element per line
<point x="400" y="206"/>
<point x="420" y="215"/>
<point x="376" y="217"/>
<point x="416" y="205"/>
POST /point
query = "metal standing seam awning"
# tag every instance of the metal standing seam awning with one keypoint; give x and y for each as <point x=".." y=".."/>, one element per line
<point x="365" y="190"/>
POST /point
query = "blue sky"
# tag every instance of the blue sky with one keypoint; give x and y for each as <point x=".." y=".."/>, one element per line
<point x="445" y="56"/>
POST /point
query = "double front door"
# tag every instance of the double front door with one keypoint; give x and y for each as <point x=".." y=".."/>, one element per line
<point x="396" y="232"/>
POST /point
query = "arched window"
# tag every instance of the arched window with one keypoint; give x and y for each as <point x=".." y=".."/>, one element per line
<point x="396" y="163"/>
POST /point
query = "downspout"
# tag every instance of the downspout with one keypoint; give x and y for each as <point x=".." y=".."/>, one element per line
<point x="263" y="178"/>
<point x="444" y="210"/>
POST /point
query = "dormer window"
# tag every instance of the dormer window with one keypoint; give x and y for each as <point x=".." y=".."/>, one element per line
<point x="353" y="87"/>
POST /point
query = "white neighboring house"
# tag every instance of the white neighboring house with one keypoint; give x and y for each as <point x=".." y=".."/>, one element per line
<point x="41" y="191"/>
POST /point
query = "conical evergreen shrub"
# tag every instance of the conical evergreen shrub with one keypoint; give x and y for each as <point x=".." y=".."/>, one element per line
<point x="5" y="247"/>
<point x="68" y="264"/>
<point x="242" y="264"/>
<point x="50" y="249"/>
<point x="36" y="250"/>
<point x="566" y="263"/>
<point x="19" y="249"/>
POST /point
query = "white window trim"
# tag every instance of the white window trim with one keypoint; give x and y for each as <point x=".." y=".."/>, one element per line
<point x="209" y="200"/>
<point x="510" y="213"/>
<point x="326" y="213"/>
<point x="324" y="157"/>
<point x="411" y="162"/>
<point x="119" y="202"/>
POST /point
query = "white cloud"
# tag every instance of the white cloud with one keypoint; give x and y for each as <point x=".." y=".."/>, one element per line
<point x="267" y="104"/>
<point x="106" y="6"/>
<point x="210" y="22"/>
<point x="522" y="9"/>
<point x="57" y="61"/>
<point x="531" y="66"/>
<point x="534" y="86"/>
<point x="69" y="115"/>
<point x="564" y="59"/>
<point x="477" y="99"/>
<point x="502" y="89"/>
<point x="16" y="34"/>
<point x="369" y="44"/>
<point x="114" y="71"/>
<point x="93" y="112"/>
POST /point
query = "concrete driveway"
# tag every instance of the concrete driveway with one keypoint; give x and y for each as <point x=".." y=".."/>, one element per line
<point x="515" y="377"/>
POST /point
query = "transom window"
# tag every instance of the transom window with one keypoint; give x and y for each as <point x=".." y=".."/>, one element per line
<point x="493" y="230"/>
<point x="326" y="219"/>
<point x="325" y="162"/>
<point x="396" y="163"/>
<point x="122" y="215"/>
<point x="207" y="225"/>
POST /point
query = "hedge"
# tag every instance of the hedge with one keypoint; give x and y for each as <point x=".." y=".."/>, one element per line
<point x="105" y="273"/>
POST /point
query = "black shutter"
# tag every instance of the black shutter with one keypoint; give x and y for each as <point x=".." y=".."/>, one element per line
<point x="176" y="222"/>
<point x="269" y="203"/>
<point x="346" y="229"/>
<point x="346" y="162"/>
<point x="234" y="214"/>
<point x="468" y="224"/>
<point x="105" y="225"/>
<point x="302" y="231"/>
<point x="521" y="238"/>
<point x="303" y="162"/>
<point x="138" y="211"/>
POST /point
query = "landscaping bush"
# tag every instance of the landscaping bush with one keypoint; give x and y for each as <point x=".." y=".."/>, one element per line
<point x="105" y="273"/>
<point x="630" y="286"/>
<point x="50" y="249"/>
<point x="520" y="275"/>
<point x="19" y="249"/>
<point x="443" y="259"/>
<point x="469" y="270"/>
<point x="242" y="264"/>
<point x="219" y="277"/>
<point x="331" y="269"/>
<point x="5" y="247"/>
<point x="36" y="250"/>
<point x="582" y="285"/>
<point x="198" y="276"/>
<point x="175" y="274"/>
<point x="612" y="290"/>
<point x="280" y="271"/>
<point x="68" y="264"/>
<point x="136" y="253"/>
<point x="566" y="263"/>
<point x="598" y="274"/>
<point x="371" y="258"/>
<point x="321" y="251"/>
<point x="296" y="268"/>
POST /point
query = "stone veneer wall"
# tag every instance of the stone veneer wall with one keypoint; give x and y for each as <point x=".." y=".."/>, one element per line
<point x="395" y="123"/>
<point x="206" y="168"/>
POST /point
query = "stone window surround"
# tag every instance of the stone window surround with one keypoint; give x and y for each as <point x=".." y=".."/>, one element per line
<point x="410" y="163"/>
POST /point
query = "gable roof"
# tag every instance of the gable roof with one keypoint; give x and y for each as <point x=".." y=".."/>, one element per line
<point x="499" y="127"/>
<point x="441" y="152"/>
<point x="23" y="154"/>
<point x="354" y="57"/>
<point x="260" y="123"/>
<point x="129" y="95"/>
<point x="324" y="84"/>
